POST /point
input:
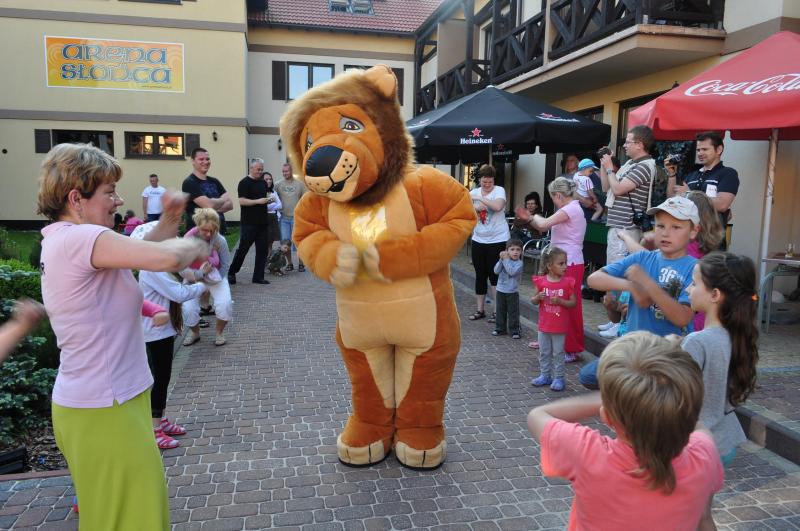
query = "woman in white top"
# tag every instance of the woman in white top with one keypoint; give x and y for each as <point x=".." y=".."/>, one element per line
<point x="489" y="237"/>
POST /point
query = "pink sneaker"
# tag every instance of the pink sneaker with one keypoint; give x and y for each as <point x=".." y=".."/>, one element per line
<point x="570" y="357"/>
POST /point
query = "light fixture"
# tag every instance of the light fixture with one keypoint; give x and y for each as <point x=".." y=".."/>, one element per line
<point x="214" y="136"/>
<point x="280" y="144"/>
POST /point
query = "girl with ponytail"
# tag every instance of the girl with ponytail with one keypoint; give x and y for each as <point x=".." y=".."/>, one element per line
<point x="724" y="287"/>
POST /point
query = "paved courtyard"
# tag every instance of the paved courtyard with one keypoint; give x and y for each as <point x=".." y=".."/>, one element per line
<point x="263" y="413"/>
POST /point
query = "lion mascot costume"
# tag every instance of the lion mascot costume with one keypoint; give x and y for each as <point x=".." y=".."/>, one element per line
<point x="383" y="232"/>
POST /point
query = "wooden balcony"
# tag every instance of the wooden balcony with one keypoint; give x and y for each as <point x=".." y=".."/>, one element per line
<point x="519" y="51"/>
<point x="574" y="25"/>
<point x="458" y="81"/>
<point x="578" y="23"/>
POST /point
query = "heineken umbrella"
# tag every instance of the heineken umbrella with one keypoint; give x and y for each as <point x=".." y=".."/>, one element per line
<point x="471" y="127"/>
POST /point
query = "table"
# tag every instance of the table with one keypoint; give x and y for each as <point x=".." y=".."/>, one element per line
<point x="786" y="267"/>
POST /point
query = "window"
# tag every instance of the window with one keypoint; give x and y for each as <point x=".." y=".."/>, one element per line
<point x="101" y="139"/>
<point x="398" y="73"/>
<point x="303" y="76"/>
<point x="595" y="113"/>
<point x="154" y="145"/>
<point x="363" y="7"/>
<point x="176" y="2"/>
<point x="625" y="109"/>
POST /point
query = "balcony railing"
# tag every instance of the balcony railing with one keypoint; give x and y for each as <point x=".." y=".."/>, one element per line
<point x="426" y="98"/>
<point x="581" y="22"/>
<point x="519" y="51"/>
<point x="575" y="24"/>
<point x="457" y="82"/>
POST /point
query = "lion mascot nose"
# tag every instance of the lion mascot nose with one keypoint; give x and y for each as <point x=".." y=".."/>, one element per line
<point x="322" y="161"/>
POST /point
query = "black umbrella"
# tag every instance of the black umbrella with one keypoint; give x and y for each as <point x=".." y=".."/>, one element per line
<point x="507" y="124"/>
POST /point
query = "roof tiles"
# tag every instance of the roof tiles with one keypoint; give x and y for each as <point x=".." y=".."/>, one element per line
<point x="390" y="16"/>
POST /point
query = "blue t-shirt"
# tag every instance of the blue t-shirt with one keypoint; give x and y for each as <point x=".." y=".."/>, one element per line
<point x="673" y="276"/>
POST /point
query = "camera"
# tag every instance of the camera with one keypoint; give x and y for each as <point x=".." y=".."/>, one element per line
<point x="673" y="159"/>
<point x="604" y="151"/>
<point x="642" y="220"/>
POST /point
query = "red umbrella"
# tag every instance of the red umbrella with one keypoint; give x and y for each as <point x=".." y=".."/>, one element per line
<point x="755" y="96"/>
<point x="749" y="95"/>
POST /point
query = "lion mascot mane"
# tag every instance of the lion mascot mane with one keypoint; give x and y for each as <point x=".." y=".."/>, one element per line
<point x="383" y="232"/>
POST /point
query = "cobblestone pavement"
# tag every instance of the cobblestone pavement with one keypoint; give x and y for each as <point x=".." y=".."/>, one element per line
<point x="264" y="410"/>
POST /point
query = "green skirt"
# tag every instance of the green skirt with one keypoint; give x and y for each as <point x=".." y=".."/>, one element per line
<point x="115" y="465"/>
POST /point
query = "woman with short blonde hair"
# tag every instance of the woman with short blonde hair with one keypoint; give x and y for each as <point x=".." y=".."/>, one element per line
<point x="101" y="397"/>
<point x="567" y="230"/>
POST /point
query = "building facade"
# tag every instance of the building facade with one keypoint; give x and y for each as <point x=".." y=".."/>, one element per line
<point x="149" y="80"/>
<point x="145" y="81"/>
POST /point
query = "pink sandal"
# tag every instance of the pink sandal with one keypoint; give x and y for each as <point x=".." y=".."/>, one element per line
<point x="164" y="441"/>
<point x="170" y="428"/>
<point x="533" y="345"/>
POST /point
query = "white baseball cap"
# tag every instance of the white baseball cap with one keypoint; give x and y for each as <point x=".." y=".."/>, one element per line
<point x="679" y="208"/>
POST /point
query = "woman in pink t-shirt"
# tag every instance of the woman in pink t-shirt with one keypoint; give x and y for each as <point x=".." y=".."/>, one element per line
<point x="101" y="397"/>
<point x="567" y="229"/>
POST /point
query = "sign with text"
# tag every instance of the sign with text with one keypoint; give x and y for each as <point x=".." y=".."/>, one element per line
<point x="79" y="62"/>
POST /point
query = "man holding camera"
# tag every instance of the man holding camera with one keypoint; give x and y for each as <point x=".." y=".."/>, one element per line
<point x="628" y="190"/>
<point x="720" y="183"/>
<point x="253" y="198"/>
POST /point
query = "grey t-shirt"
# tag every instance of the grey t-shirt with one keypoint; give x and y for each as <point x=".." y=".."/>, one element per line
<point x="711" y="349"/>
<point x="290" y="193"/>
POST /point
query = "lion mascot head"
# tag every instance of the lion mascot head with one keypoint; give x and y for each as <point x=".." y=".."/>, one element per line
<point x="347" y="138"/>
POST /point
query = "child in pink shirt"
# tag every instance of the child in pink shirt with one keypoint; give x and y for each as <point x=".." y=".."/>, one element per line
<point x="554" y="292"/>
<point x="661" y="469"/>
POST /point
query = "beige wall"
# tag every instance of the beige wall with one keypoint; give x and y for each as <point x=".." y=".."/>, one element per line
<point x="214" y="65"/>
<point x="213" y="101"/>
<point x="19" y="167"/>
<point x="741" y="14"/>
<point x="330" y="41"/>
<point x="217" y="11"/>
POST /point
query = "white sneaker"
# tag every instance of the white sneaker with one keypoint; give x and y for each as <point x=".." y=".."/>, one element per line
<point x="604" y="327"/>
<point x="611" y="332"/>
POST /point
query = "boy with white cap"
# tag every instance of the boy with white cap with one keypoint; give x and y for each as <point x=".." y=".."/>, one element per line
<point x="657" y="280"/>
<point x="592" y="208"/>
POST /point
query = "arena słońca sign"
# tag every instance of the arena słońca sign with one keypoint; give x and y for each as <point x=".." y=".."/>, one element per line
<point x="79" y="62"/>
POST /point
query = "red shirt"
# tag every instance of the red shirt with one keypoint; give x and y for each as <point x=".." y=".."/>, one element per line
<point x="552" y="318"/>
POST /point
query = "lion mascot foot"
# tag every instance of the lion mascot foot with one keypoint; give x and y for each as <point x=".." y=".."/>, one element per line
<point x="366" y="444"/>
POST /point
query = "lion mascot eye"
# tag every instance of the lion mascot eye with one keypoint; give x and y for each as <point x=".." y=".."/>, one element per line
<point x="309" y="141"/>
<point x="350" y="125"/>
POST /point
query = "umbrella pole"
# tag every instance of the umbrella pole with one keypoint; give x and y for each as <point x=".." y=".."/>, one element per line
<point x="768" y="197"/>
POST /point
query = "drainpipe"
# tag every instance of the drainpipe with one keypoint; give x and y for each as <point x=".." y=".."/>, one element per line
<point x="548" y="34"/>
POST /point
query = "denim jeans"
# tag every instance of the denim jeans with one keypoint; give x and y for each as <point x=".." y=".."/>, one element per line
<point x="551" y="354"/>
<point x="588" y="375"/>
<point x="287" y="227"/>
<point x="153" y="217"/>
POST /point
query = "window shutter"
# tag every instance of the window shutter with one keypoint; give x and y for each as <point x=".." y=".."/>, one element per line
<point x="279" y="80"/>
<point x="398" y="72"/>
<point x="41" y="140"/>
<point x="191" y="142"/>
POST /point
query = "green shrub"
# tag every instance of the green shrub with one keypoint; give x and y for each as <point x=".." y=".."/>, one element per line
<point x="35" y="256"/>
<point x="8" y="248"/>
<point x="24" y="386"/>
<point x="19" y="280"/>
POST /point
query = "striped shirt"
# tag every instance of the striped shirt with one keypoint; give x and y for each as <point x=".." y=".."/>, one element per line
<point x="641" y="172"/>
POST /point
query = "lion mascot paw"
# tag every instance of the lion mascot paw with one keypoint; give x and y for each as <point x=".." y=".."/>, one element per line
<point x="382" y="232"/>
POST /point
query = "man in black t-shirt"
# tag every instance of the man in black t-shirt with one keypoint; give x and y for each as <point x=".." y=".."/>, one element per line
<point x="720" y="183"/>
<point x="205" y="191"/>
<point x="253" y="199"/>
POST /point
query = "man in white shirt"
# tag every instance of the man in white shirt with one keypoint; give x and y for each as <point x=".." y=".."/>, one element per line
<point x="151" y="199"/>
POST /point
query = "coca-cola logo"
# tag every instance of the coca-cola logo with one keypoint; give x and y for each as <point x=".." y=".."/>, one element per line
<point x="716" y="87"/>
